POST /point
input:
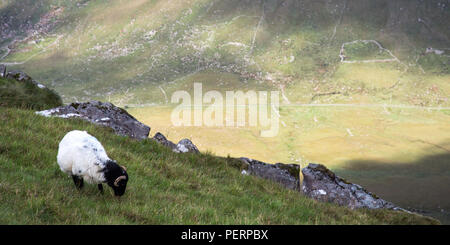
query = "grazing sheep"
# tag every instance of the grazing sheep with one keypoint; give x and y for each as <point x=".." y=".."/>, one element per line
<point x="83" y="157"/>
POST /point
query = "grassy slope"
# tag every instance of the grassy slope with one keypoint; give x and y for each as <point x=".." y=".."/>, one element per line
<point x="149" y="44"/>
<point x="127" y="53"/>
<point x="27" y="95"/>
<point x="164" y="187"/>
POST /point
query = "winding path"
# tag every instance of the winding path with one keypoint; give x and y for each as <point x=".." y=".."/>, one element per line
<point x="29" y="58"/>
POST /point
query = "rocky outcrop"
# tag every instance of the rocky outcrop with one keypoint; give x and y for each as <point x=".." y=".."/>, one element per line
<point x="160" y="138"/>
<point x="323" y="185"/>
<point x="287" y="175"/>
<point x="19" y="76"/>
<point x="183" y="146"/>
<point x="318" y="183"/>
<point x="2" y="70"/>
<point x="105" y="114"/>
<point x="22" y="28"/>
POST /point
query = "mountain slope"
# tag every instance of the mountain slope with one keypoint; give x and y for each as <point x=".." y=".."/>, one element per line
<point x="164" y="187"/>
<point x="364" y="84"/>
<point x="132" y="52"/>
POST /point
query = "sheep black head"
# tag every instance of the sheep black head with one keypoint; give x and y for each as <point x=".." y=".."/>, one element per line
<point x="116" y="176"/>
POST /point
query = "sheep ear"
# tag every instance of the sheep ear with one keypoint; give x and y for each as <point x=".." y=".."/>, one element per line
<point x="124" y="168"/>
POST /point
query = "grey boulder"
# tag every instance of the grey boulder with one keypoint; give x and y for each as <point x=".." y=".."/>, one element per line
<point x="19" y="76"/>
<point x="322" y="184"/>
<point x="287" y="175"/>
<point x="105" y="114"/>
<point x="185" y="145"/>
<point x="160" y="138"/>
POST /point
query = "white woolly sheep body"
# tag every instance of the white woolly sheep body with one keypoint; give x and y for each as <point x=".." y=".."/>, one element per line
<point x="81" y="154"/>
<point x="83" y="157"/>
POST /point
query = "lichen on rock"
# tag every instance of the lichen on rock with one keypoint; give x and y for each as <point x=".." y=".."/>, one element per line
<point x="322" y="184"/>
<point x="96" y="112"/>
<point x="285" y="174"/>
<point x="183" y="146"/>
<point x="160" y="138"/>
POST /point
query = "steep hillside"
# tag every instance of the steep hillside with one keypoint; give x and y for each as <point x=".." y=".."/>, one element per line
<point x="164" y="187"/>
<point x="27" y="95"/>
<point x="365" y="84"/>
<point x="140" y="52"/>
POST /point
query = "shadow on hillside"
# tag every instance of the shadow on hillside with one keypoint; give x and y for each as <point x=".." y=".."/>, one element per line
<point x="320" y="23"/>
<point x="422" y="185"/>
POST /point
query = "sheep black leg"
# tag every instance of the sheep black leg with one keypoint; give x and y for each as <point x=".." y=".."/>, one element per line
<point x="100" y="188"/>
<point x="78" y="181"/>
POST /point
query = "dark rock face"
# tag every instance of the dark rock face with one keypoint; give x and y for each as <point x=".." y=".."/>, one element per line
<point x="323" y="185"/>
<point x="19" y="76"/>
<point x="286" y="174"/>
<point x="2" y="70"/>
<point x="160" y="138"/>
<point x="185" y="145"/>
<point x="105" y="114"/>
